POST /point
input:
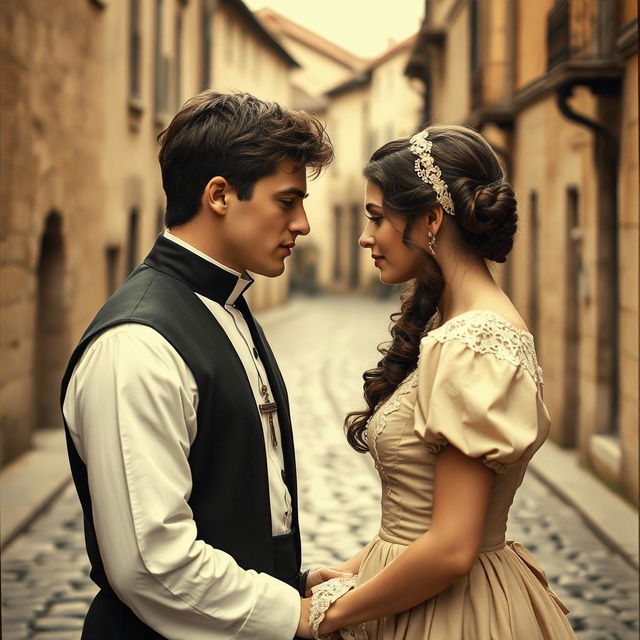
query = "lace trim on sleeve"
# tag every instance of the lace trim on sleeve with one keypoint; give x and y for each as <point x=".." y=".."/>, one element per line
<point x="487" y="332"/>
<point x="324" y="595"/>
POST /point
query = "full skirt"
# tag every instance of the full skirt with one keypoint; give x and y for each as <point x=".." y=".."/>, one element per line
<point x="505" y="597"/>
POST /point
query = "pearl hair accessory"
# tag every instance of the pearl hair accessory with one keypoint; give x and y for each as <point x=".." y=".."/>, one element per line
<point x="429" y="171"/>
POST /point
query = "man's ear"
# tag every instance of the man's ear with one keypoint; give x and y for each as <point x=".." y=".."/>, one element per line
<point x="214" y="197"/>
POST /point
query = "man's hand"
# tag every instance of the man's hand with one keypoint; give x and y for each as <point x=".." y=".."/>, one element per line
<point x="318" y="576"/>
<point x="304" y="630"/>
<point x="315" y="577"/>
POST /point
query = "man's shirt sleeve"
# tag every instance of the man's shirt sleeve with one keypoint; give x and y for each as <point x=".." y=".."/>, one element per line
<point x="131" y="409"/>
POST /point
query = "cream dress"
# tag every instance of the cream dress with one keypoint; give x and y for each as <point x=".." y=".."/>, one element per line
<point x="477" y="386"/>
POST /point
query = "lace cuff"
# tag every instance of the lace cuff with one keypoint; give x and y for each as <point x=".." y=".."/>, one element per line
<point x="324" y="595"/>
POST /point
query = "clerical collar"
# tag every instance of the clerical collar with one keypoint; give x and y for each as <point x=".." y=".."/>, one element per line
<point x="186" y="245"/>
<point x="202" y="274"/>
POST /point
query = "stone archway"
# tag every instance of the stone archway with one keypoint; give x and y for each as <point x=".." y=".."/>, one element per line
<point x="51" y="339"/>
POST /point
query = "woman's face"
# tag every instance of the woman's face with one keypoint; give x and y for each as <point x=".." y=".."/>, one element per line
<point x="383" y="236"/>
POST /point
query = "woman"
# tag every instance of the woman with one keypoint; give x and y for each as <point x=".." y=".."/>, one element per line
<point x="454" y="411"/>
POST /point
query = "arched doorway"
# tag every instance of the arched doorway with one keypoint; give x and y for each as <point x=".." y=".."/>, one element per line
<point x="51" y="340"/>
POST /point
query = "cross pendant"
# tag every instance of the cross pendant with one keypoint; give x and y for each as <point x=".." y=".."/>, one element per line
<point x="268" y="409"/>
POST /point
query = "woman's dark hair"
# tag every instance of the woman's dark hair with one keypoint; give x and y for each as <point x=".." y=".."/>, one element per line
<point x="237" y="136"/>
<point x="485" y="217"/>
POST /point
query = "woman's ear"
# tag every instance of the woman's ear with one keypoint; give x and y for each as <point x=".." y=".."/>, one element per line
<point x="434" y="218"/>
<point x="214" y="197"/>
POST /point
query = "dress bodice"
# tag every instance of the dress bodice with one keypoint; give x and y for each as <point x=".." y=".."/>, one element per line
<point x="478" y="387"/>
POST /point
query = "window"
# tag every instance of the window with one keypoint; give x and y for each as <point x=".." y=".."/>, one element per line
<point x="356" y="224"/>
<point x="134" y="50"/>
<point x="113" y="261"/>
<point x="160" y="220"/>
<point x="474" y="30"/>
<point x="333" y="127"/>
<point x="534" y="260"/>
<point x="132" y="243"/>
<point x="574" y="283"/>
<point x="475" y="64"/>
<point x="206" y="44"/>
<point x="507" y="279"/>
<point x="337" y="243"/>
<point x="161" y="64"/>
<point x="177" y="77"/>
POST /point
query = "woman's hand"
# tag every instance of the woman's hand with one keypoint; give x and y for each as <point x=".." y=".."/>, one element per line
<point x="318" y="576"/>
<point x="432" y="562"/>
<point x="313" y="579"/>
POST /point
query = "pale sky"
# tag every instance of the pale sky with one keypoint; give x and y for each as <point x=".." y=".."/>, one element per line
<point x="363" y="27"/>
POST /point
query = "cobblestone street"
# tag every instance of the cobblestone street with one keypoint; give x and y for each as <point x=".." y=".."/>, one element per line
<point x="323" y="346"/>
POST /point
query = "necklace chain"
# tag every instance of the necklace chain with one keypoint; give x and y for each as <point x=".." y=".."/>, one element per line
<point x="268" y="408"/>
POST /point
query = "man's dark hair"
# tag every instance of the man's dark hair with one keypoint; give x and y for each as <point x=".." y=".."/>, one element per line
<point x="236" y="136"/>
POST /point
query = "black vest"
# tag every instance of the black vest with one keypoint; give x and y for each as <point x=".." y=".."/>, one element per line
<point x="230" y="495"/>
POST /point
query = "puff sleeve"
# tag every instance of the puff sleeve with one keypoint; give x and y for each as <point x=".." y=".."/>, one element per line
<point x="485" y="406"/>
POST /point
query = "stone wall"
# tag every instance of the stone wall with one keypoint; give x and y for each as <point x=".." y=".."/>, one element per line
<point x="573" y="273"/>
<point x="80" y="190"/>
<point x="51" y="196"/>
<point x="629" y="243"/>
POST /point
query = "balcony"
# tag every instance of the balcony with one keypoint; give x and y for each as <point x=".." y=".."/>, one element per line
<point x="581" y="50"/>
<point x="558" y="34"/>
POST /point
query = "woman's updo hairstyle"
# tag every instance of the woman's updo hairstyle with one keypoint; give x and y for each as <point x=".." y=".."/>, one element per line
<point x="485" y="216"/>
<point x="484" y="203"/>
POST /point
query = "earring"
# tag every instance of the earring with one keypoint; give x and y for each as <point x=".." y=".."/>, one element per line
<point x="432" y="244"/>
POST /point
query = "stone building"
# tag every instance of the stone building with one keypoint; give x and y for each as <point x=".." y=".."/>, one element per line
<point x="553" y="85"/>
<point x="371" y="107"/>
<point x="324" y="65"/>
<point x="362" y="103"/>
<point x="87" y="87"/>
<point x="52" y="245"/>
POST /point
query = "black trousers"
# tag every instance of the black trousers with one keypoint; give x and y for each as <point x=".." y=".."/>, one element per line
<point x="108" y="618"/>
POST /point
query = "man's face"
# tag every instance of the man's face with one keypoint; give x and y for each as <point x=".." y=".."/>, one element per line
<point x="260" y="232"/>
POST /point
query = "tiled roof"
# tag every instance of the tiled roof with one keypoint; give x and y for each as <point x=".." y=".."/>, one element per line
<point x="261" y="32"/>
<point x="280" y="25"/>
<point x="407" y="43"/>
<point x="364" y="76"/>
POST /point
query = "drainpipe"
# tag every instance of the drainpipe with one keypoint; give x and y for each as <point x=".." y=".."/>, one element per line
<point x="606" y="160"/>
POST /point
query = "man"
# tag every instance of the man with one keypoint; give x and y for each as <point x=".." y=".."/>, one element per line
<point x="176" y="414"/>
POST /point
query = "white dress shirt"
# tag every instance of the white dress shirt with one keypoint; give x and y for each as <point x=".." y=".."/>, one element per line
<point x="131" y="410"/>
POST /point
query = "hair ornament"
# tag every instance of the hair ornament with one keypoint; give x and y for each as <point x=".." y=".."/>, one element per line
<point x="429" y="171"/>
